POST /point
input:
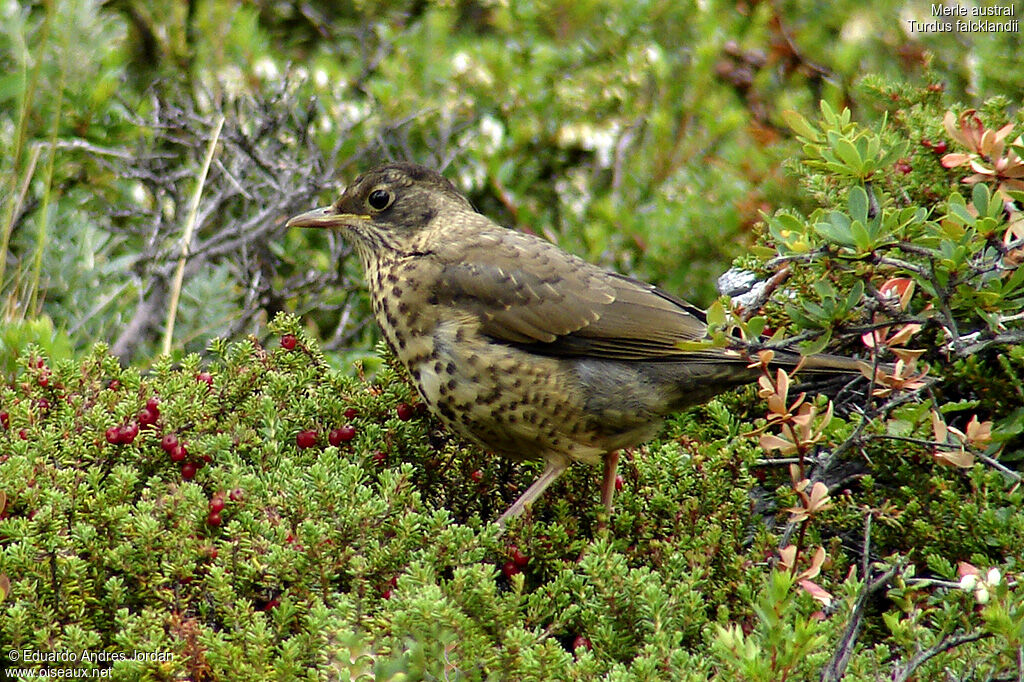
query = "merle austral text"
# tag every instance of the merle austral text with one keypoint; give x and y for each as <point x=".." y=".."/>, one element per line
<point x="968" y="19"/>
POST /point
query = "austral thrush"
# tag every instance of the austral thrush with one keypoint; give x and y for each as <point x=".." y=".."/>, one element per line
<point x="517" y="345"/>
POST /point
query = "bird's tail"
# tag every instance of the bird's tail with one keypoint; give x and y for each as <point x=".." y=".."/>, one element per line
<point x="824" y="363"/>
<point x="837" y="364"/>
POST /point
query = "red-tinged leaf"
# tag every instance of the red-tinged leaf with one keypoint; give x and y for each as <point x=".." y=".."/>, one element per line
<point x="816" y="591"/>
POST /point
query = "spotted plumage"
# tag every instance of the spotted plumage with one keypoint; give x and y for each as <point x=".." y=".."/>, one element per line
<point x="526" y="350"/>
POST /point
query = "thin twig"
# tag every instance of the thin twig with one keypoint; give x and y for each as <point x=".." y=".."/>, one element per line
<point x="949" y="642"/>
<point x="836" y="667"/>
<point x="186" y="238"/>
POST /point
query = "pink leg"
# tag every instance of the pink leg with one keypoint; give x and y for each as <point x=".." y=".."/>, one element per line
<point x="608" y="484"/>
<point x="553" y="470"/>
<point x="611" y="465"/>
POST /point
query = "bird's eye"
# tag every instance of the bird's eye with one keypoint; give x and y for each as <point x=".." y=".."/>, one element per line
<point x="380" y="199"/>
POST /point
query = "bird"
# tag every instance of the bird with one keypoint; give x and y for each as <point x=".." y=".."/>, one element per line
<point x="518" y="346"/>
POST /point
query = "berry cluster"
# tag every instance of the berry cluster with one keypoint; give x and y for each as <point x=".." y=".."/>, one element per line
<point x="516" y="563"/>
<point x="125" y="434"/>
<point x="148" y="418"/>
<point x="217" y="504"/>
<point x="939" y="147"/>
<point x="308" y="438"/>
<point x="178" y="453"/>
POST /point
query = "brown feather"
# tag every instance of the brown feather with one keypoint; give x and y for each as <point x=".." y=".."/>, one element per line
<point x="515" y="284"/>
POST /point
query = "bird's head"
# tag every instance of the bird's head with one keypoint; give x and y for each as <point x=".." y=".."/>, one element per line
<point x="391" y="207"/>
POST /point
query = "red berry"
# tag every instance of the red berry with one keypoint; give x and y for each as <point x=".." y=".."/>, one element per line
<point x="114" y="385"/>
<point x="43" y="404"/>
<point x="351" y="413"/>
<point x="236" y="495"/>
<point x="213" y="518"/>
<point x="581" y="641"/>
<point x="288" y="341"/>
<point x="405" y="411"/>
<point x="146" y="417"/>
<point x="113" y="434"/>
<point x="379" y="457"/>
<point x="178" y="453"/>
<point x="341" y="435"/>
<point x="169" y="442"/>
<point x="519" y="558"/>
<point x="925" y="142"/>
<point x="618" y="482"/>
<point x="188" y="471"/>
<point x="385" y="593"/>
<point x="509" y="568"/>
<point x="212" y="553"/>
<point x="903" y="166"/>
<point x="940" y="147"/>
<point x="5" y="419"/>
<point x="305" y="439"/>
<point x="477" y="476"/>
<point x="205" y="377"/>
<point x="153" y="404"/>
<point x="216" y="503"/>
<point x="43" y="380"/>
<point x="23" y="434"/>
<point x="272" y="604"/>
<point x="127" y="433"/>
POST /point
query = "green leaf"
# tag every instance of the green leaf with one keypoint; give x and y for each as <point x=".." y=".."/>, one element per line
<point x="849" y="154"/>
<point x="696" y="346"/>
<point x="799" y="125"/>
<point x="755" y="326"/>
<point x="716" y="314"/>
<point x="858" y="202"/>
<point x="824" y="289"/>
<point x="959" y="405"/>
<point x="959" y="213"/>
<point x="860" y="236"/>
<point x="817" y="345"/>
<point x="787" y="221"/>
<point x="834" y="233"/>
<point x="856" y="293"/>
<point x="979" y="196"/>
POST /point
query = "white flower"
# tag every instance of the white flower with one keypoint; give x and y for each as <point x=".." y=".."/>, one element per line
<point x="141" y="195"/>
<point x="493" y="132"/>
<point x="968" y="582"/>
<point x="460" y="63"/>
<point x="981" y="587"/>
<point x="266" y="69"/>
<point x="601" y="141"/>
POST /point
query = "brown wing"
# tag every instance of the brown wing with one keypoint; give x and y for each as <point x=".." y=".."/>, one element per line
<point x="528" y="292"/>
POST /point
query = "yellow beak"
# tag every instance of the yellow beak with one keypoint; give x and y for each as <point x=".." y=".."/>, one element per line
<point x="327" y="216"/>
